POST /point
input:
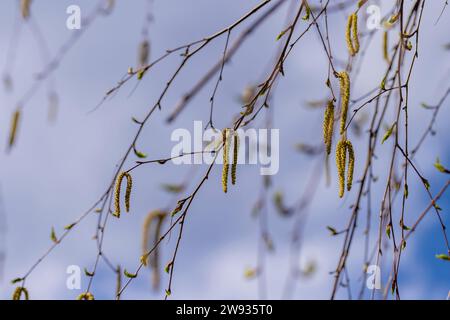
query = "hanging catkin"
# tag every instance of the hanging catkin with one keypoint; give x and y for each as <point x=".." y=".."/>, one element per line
<point x="25" y="8"/>
<point x="226" y="147"/>
<point x="343" y="147"/>
<point x="385" y="47"/>
<point x="355" y="33"/>
<point x="340" y="164"/>
<point x="127" y="193"/>
<point x="17" y="295"/>
<point x="86" y="296"/>
<point x="328" y="123"/>
<point x="235" y="157"/>
<point x="351" y="164"/>
<point x="348" y="36"/>
<point x="154" y="220"/>
<point x="14" y="126"/>
<point x="351" y="34"/>
<point x="344" y="81"/>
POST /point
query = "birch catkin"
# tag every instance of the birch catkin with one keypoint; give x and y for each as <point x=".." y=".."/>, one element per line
<point x="86" y="296"/>
<point x="14" y="126"/>
<point x="348" y="35"/>
<point x="343" y="147"/>
<point x="344" y="81"/>
<point x="328" y="123"/>
<point x="127" y="193"/>
<point x="351" y="164"/>
<point x="355" y="33"/>
<point x="226" y="146"/>
<point x="17" y="295"/>
<point x="25" y="8"/>
<point x="235" y="157"/>
<point x="385" y="47"/>
<point x="340" y="164"/>
<point x="351" y="34"/>
<point x="154" y="220"/>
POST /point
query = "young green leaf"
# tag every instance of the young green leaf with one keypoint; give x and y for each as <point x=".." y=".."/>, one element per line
<point x="388" y="133"/>
<point x="332" y="230"/>
<point x="69" y="226"/>
<point x="388" y="230"/>
<point x="16" y="280"/>
<point x="440" y="167"/>
<point x="87" y="273"/>
<point x="443" y="257"/>
<point x="139" y="154"/>
<point x="129" y="275"/>
<point x="53" y="235"/>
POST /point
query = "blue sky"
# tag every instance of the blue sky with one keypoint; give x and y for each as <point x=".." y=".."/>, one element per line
<point x="57" y="170"/>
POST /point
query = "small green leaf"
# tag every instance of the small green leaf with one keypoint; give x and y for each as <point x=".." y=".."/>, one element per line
<point x="383" y="84"/>
<point x="443" y="257"/>
<point x="53" y="235"/>
<point x="282" y="33"/>
<point x="440" y="167"/>
<point x="139" y="154"/>
<point x="16" y="280"/>
<point x="388" y="230"/>
<point x="403" y="245"/>
<point x="308" y="13"/>
<point x="167" y="267"/>
<point x="426" y="183"/>
<point x="69" y="226"/>
<point x="168" y="292"/>
<point x="388" y="133"/>
<point x="332" y="230"/>
<point x="129" y="275"/>
<point x="87" y="273"/>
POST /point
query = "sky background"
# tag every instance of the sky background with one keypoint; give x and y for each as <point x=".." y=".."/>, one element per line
<point x="58" y="170"/>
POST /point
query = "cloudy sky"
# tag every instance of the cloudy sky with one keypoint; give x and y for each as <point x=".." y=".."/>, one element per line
<point x="58" y="169"/>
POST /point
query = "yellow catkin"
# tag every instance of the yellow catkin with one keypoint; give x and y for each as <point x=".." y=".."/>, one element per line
<point x="385" y="47"/>
<point x="235" y="157"/>
<point x="14" y="126"/>
<point x="340" y="164"/>
<point x="328" y="123"/>
<point x="86" y="296"/>
<point x="348" y="35"/>
<point x="17" y="295"/>
<point x="147" y="245"/>
<point x="25" y="8"/>
<point x="351" y="164"/>
<point x="355" y="33"/>
<point x="127" y="193"/>
<point x="344" y="81"/>
<point x="226" y="165"/>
